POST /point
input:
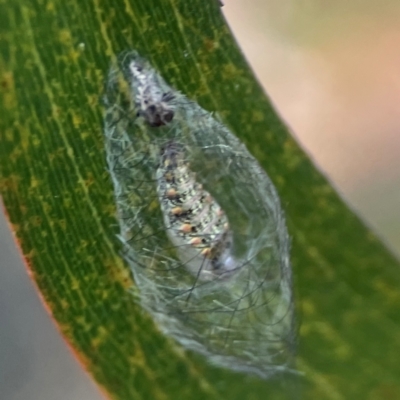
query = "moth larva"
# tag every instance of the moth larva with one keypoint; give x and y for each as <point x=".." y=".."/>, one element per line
<point x="195" y="222"/>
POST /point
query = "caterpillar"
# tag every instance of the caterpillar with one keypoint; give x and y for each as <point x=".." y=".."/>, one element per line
<point x="200" y="223"/>
<point x="195" y="222"/>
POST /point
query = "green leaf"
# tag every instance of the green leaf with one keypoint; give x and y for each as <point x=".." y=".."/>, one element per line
<point x="54" y="56"/>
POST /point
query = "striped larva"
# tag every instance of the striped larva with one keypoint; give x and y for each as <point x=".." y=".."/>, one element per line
<point x="195" y="222"/>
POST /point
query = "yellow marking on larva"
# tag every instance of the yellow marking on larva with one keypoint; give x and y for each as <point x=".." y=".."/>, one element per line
<point x="171" y="193"/>
<point x="186" y="228"/>
<point x="208" y="198"/>
<point x="168" y="177"/>
<point x="177" y="210"/>
<point x="206" y="252"/>
<point x="196" y="241"/>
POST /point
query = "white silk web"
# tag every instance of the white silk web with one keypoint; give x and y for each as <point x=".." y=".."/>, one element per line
<point x="201" y="224"/>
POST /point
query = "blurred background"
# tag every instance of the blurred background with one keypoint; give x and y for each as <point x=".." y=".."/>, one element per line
<point x="332" y="69"/>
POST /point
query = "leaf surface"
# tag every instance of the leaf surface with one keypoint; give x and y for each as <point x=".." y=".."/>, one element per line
<point x="54" y="56"/>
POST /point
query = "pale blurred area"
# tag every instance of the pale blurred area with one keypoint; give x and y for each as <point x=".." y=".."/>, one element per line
<point x="332" y="68"/>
